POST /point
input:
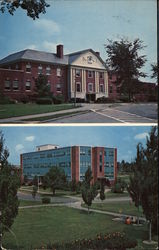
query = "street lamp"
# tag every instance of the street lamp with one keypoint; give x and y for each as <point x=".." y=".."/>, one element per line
<point x="75" y="91"/>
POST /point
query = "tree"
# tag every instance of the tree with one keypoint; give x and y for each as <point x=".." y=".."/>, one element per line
<point x="42" y="88"/>
<point x="9" y="184"/>
<point x="34" y="191"/>
<point x="136" y="179"/>
<point x="124" y="60"/>
<point x="144" y="185"/>
<point x="155" y="71"/>
<point x="89" y="191"/>
<point x="149" y="197"/>
<point x="33" y="7"/>
<point x="35" y="186"/>
<point x="102" y="194"/>
<point x="54" y="179"/>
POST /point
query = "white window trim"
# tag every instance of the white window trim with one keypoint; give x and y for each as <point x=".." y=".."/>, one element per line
<point x="91" y="73"/>
<point x="90" y="84"/>
<point x="79" y="83"/>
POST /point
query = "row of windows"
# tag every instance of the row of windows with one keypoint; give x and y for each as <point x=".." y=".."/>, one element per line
<point x="8" y="85"/>
<point x="90" y="87"/>
<point x="47" y="70"/>
<point x="90" y="73"/>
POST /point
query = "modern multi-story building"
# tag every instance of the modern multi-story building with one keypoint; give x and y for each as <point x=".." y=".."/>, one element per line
<point x="79" y="75"/>
<point x="74" y="160"/>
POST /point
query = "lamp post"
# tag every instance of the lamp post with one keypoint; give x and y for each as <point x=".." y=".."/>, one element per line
<point x="0" y="218"/>
<point x="75" y="91"/>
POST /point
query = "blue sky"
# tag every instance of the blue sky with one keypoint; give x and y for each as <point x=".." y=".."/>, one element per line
<point x="82" y="24"/>
<point x="22" y="139"/>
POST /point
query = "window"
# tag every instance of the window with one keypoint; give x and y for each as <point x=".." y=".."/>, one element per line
<point x="58" y="87"/>
<point x="100" y="167"/>
<point x="15" y="85"/>
<point x="90" y="87"/>
<point x="101" y="88"/>
<point x="78" y="87"/>
<point x="7" y="84"/>
<point x="101" y="75"/>
<point x="40" y="70"/>
<point x="90" y="74"/>
<point x="78" y="72"/>
<point x="28" y="85"/>
<point x="48" y="70"/>
<point x="49" y="85"/>
<point x="58" y="72"/>
<point x="16" y="66"/>
<point x="111" y="89"/>
<point x="28" y="68"/>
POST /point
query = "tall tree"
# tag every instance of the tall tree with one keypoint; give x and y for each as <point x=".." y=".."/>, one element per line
<point x="137" y="178"/>
<point x="89" y="191"/>
<point x="149" y="197"/>
<point x="125" y="61"/>
<point x="54" y="179"/>
<point x="9" y="184"/>
<point x="155" y="71"/>
<point x="33" y="8"/>
<point x="102" y="189"/>
<point x="42" y="88"/>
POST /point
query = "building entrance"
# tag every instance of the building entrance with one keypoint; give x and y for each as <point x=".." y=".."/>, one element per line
<point x="90" y="97"/>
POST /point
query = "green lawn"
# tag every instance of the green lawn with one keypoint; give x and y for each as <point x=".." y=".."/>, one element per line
<point x="115" y="195"/>
<point x="29" y="203"/>
<point x="117" y="207"/>
<point x="12" y="110"/>
<point x="39" y="226"/>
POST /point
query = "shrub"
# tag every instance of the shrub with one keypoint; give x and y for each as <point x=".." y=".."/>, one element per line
<point x="119" y="186"/>
<point x="6" y="100"/>
<point x="105" y="100"/>
<point x="24" y="99"/>
<point x="113" y="241"/>
<point x="58" y="99"/>
<point x="45" y="100"/>
<point x="46" y="200"/>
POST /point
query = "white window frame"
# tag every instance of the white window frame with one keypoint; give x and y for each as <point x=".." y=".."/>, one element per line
<point x="58" y="72"/>
<point x="48" y="70"/>
<point x="59" y="85"/>
<point x="7" y="81"/>
<point x="101" y="75"/>
<point x="16" y="81"/>
<point x="79" y="84"/>
<point x="90" y="84"/>
<point x="101" y="86"/>
<point x="28" y="66"/>
<point x="28" y="81"/>
<point x="40" y="70"/>
<point x="78" y="72"/>
<point x="90" y="72"/>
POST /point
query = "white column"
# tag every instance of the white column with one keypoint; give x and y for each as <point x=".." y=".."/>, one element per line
<point x="106" y="82"/>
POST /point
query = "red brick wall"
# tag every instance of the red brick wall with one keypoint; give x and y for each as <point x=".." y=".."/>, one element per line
<point x="24" y="76"/>
<point x="75" y="163"/>
<point x="96" y="163"/>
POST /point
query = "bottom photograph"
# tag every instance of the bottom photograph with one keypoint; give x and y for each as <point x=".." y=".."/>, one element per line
<point x="78" y="187"/>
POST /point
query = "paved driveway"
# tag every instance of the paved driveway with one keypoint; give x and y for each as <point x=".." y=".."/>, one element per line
<point x="115" y="113"/>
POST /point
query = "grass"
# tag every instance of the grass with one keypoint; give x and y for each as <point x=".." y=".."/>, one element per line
<point x="29" y="203"/>
<point x="117" y="206"/>
<point x="116" y="195"/>
<point x="38" y="226"/>
<point x="12" y="110"/>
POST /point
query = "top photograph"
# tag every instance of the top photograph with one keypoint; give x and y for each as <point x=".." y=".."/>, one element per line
<point x="78" y="62"/>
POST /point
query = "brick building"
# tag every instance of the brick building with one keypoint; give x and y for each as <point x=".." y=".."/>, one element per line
<point x="74" y="160"/>
<point x="78" y="75"/>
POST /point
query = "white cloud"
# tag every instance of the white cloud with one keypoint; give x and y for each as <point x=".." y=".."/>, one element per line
<point x="19" y="148"/>
<point x="30" y="138"/>
<point x="141" y="136"/>
<point x="32" y="46"/>
<point x="48" y="26"/>
<point x="49" y="46"/>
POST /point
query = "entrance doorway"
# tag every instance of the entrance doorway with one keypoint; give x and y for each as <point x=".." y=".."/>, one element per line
<point x="90" y="97"/>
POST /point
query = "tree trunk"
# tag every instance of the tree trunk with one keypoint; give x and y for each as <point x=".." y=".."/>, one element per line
<point x="53" y="192"/>
<point x="88" y="209"/>
<point x="138" y="216"/>
<point x="150" y="238"/>
<point x="0" y="241"/>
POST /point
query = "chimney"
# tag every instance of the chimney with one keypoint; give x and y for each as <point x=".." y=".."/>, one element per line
<point x="98" y="53"/>
<point x="59" y="51"/>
